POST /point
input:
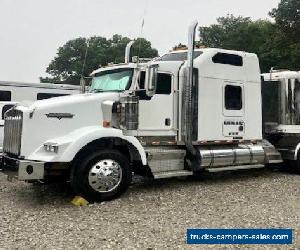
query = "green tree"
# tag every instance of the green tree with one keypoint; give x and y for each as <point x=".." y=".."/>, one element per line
<point x="241" y="33"/>
<point x="287" y="17"/>
<point x="225" y="33"/>
<point x="66" y="67"/>
<point x="286" y="43"/>
<point x="277" y="44"/>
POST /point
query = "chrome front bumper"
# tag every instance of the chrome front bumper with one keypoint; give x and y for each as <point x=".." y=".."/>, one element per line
<point x="22" y="170"/>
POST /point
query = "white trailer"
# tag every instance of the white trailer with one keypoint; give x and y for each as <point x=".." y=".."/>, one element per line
<point x="178" y="115"/>
<point x="12" y="93"/>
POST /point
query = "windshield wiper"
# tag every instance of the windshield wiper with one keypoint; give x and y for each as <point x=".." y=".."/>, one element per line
<point x="102" y="90"/>
<point x="97" y="90"/>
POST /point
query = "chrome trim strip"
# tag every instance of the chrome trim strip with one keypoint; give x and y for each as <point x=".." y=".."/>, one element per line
<point x="13" y="131"/>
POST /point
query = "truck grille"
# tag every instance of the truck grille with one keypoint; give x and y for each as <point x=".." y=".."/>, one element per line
<point x="12" y="132"/>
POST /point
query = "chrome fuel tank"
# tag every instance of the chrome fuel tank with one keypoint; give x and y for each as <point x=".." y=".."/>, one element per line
<point x="240" y="155"/>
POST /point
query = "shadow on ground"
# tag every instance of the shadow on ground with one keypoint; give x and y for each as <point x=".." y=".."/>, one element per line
<point x="60" y="194"/>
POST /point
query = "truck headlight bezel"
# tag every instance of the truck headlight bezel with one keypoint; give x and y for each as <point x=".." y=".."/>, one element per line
<point x="51" y="147"/>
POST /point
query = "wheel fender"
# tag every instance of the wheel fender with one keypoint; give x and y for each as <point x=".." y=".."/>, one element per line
<point x="70" y="144"/>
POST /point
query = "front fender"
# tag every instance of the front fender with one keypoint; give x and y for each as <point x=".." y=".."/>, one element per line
<point x="70" y="144"/>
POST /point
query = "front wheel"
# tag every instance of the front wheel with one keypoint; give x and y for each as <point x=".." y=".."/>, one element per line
<point x="102" y="175"/>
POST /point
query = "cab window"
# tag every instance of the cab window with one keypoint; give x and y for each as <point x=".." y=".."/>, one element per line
<point x="141" y="80"/>
<point x="164" y="83"/>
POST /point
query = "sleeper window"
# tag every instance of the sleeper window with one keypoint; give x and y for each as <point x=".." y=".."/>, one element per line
<point x="229" y="59"/>
<point x="233" y="97"/>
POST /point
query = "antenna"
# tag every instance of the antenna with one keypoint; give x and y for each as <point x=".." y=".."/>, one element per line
<point x="85" y="55"/>
<point x="82" y="81"/>
<point x="142" y="27"/>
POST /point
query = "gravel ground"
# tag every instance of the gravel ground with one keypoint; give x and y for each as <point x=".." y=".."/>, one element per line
<point x="152" y="214"/>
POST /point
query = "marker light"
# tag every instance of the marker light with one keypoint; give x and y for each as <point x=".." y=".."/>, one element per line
<point x="106" y="124"/>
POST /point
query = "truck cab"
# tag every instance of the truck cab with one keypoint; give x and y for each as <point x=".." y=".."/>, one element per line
<point x="177" y="115"/>
<point x="281" y="112"/>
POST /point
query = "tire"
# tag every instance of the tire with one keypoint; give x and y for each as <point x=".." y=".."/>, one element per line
<point x="101" y="175"/>
<point x="292" y="166"/>
<point x="296" y="168"/>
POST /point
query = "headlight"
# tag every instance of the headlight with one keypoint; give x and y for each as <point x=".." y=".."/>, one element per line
<point x="51" y="147"/>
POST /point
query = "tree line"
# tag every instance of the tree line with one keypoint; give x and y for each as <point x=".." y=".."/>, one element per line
<point x="81" y="56"/>
<point x="275" y="41"/>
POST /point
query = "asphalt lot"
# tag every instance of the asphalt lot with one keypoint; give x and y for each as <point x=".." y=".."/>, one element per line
<point x="152" y="214"/>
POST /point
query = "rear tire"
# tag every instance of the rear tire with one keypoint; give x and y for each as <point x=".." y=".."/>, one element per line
<point x="292" y="166"/>
<point x="296" y="167"/>
<point x="101" y="175"/>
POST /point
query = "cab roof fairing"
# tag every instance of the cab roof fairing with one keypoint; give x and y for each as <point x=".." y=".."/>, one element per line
<point x="137" y="65"/>
<point x="207" y="52"/>
<point x="213" y="51"/>
<point x="129" y="66"/>
<point x="118" y="66"/>
<point x="249" y="71"/>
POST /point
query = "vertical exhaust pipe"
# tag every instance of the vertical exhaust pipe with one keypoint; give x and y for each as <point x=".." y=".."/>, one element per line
<point x="127" y="51"/>
<point x="189" y="82"/>
<point x="193" y="155"/>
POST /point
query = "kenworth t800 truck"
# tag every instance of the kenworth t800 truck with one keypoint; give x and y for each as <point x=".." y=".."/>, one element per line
<point x="176" y="115"/>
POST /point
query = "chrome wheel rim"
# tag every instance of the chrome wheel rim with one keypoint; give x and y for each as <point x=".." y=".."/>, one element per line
<point x="105" y="176"/>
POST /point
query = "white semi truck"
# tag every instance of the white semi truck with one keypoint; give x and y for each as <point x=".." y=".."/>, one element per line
<point x="177" y="115"/>
<point x="281" y="113"/>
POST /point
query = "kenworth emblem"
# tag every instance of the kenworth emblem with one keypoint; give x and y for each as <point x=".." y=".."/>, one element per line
<point x="60" y="115"/>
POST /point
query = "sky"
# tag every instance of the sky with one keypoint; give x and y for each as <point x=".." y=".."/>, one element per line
<point x="31" y="31"/>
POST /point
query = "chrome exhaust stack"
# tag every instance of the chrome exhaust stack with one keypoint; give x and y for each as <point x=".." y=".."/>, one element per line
<point x="193" y="155"/>
<point x="188" y="84"/>
<point x="127" y="51"/>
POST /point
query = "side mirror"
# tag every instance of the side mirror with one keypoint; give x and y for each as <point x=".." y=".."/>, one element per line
<point x="82" y="85"/>
<point x="151" y="79"/>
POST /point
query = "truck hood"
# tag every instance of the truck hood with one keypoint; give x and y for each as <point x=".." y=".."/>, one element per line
<point x="72" y="100"/>
<point x="56" y="117"/>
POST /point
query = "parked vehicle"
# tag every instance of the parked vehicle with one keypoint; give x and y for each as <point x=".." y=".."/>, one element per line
<point x="178" y="115"/>
<point x="281" y="113"/>
<point x="12" y="93"/>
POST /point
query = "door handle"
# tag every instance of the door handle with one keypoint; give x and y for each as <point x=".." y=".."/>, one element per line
<point x="167" y="122"/>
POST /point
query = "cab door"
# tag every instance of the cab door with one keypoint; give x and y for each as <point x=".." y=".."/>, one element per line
<point x="156" y="113"/>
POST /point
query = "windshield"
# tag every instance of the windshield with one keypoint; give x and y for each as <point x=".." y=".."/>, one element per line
<point x="112" y="80"/>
